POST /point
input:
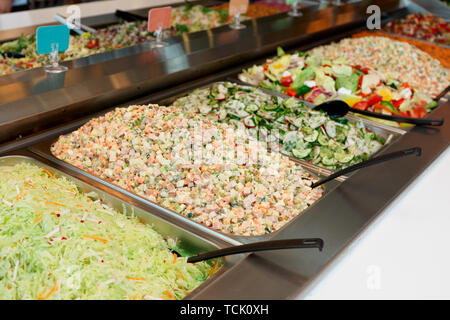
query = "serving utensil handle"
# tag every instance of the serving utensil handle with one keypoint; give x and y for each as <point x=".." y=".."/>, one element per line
<point x="260" y="246"/>
<point x="390" y="156"/>
<point x="417" y="121"/>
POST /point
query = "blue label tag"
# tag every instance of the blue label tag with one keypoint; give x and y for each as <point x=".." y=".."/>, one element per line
<point x="56" y="35"/>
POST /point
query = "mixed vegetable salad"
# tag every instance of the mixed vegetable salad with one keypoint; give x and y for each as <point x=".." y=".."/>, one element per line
<point x="421" y="26"/>
<point x="188" y="18"/>
<point x="193" y="18"/>
<point x="395" y="59"/>
<point x="317" y="79"/>
<point x="199" y="168"/>
<point x="303" y="133"/>
<point x="59" y="243"/>
<point x="106" y="39"/>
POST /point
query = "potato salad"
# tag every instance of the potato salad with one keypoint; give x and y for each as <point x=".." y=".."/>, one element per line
<point x="199" y="168"/>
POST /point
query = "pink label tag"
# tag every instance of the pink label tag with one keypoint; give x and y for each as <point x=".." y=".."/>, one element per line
<point x="238" y="7"/>
<point x="159" y="18"/>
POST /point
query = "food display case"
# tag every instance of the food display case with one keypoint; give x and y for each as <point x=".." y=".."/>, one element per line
<point x="39" y="109"/>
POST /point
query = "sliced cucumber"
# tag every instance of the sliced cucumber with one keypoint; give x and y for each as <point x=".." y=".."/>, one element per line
<point x="281" y="126"/>
<point x="249" y="122"/>
<point x="329" y="161"/>
<point x="312" y="136"/>
<point x="205" y="109"/>
<point x="330" y="126"/>
<point x="322" y="139"/>
<point x="343" y="157"/>
<point x="301" y="153"/>
<point x="326" y="153"/>
<point x="290" y="137"/>
<point x="251" y="108"/>
<point x="270" y="107"/>
<point x="222" y="114"/>
<point x="315" y="151"/>
<point x="268" y="115"/>
<point x="334" y="145"/>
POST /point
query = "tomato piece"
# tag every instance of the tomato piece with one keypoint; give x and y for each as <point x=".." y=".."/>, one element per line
<point x="374" y="99"/>
<point x="360" y="81"/>
<point x="291" y="92"/>
<point x="418" y="113"/>
<point x="286" y="81"/>
<point x="397" y="103"/>
<point x="379" y="107"/>
<point x="361" y="105"/>
<point x="92" y="44"/>
<point x="421" y="104"/>
<point x="265" y="67"/>
<point x="405" y="85"/>
<point x="365" y="70"/>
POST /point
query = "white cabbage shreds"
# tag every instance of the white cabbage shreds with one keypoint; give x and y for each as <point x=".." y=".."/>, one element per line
<point x="58" y="243"/>
<point x="205" y="170"/>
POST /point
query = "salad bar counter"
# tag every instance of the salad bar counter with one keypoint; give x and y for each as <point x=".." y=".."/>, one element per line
<point x="115" y="172"/>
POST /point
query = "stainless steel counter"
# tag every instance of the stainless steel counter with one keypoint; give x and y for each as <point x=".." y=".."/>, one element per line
<point x="34" y="100"/>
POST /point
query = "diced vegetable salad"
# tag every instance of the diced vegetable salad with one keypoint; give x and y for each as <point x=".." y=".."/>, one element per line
<point x="59" y="243"/>
<point x="204" y="170"/>
<point x="316" y="79"/>
<point x="192" y="18"/>
<point x="188" y="18"/>
<point x="397" y="60"/>
<point x="303" y="133"/>
<point x="427" y="27"/>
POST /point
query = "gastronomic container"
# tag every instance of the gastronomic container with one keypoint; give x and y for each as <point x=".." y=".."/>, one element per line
<point x="188" y="242"/>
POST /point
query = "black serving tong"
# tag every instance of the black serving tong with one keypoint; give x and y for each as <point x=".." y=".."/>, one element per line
<point x="390" y="156"/>
<point x="128" y="16"/>
<point x="258" y="246"/>
<point x="9" y="54"/>
<point x="339" y="108"/>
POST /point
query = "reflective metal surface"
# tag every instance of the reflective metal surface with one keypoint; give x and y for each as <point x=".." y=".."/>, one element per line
<point x="196" y="60"/>
<point x="33" y="100"/>
<point x="186" y="240"/>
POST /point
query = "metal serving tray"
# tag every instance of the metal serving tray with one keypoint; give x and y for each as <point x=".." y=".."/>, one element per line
<point x="441" y="98"/>
<point x="43" y="149"/>
<point x="381" y="130"/>
<point x="187" y="241"/>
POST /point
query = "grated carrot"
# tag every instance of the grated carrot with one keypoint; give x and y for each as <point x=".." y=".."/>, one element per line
<point x="180" y="274"/>
<point x="170" y="294"/>
<point x="55" y="203"/>
<point x="174" y="258"/>
<point x="53" y="289"/>
<point x="137" y="279"/>
<point x="95" y="238"/>
<point x="213" y="270"/>
<point x="37" y="219"/>
<point x="49" y="173"/>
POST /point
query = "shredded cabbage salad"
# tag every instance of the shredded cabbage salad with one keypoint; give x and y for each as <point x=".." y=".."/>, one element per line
<point x="59" y="243"/>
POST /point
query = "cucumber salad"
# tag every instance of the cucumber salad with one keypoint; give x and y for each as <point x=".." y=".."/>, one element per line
<point x="287" y="123"/>
<point x="317" y="79"/>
